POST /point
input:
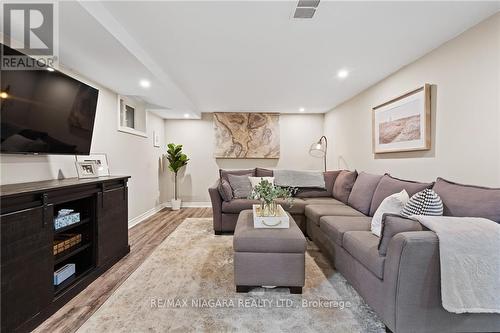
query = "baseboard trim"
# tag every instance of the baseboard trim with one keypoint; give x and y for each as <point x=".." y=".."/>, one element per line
<point x="147" y="214"/>
<point x="138" y="219"/>
<point x="192" y="204"/>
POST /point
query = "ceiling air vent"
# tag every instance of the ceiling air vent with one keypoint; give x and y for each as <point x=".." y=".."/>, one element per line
<point x="308" y="3"/>
<point x="305" y="9"/>
<point x="304" y="13"/>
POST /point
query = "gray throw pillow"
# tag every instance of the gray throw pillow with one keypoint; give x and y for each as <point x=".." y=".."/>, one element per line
<point x="241" y="185"/>
<point x="343" y="185"/>
<point x="225" y="190"/>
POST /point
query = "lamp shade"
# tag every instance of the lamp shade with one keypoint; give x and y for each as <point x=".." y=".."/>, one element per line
<point x="318" y="149"/>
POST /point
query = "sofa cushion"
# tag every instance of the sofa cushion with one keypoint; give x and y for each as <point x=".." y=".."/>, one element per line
<point x="261" y="172"/>
<point x="322" y="201"/>
<point x="391" y="226"/>
<point x="315" y="212"/>
<point x="249" y="239"/>
<point x="343" y="185"/>
<point x="224" y="173"/>
<point x="389" y="185"/>
<point x="297" y="208"/>
<point x="362" y="192"/>
<point x="335" y="226"/>
<point x="468" y="200"/>
<point x="235" y="206"/>
<point x="225" y="190"/>
<point x="241" y="185"/>
<point x="309" y="192"/>
<point x="362" y="245"/>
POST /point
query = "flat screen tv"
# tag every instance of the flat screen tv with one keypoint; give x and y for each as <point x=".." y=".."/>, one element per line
<point x="45" y="112"/>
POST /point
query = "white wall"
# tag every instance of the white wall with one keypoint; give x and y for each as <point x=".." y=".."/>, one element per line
<point x="297" y="133"/>
<point x="465" y="73"/>
<point x="127" y="155"/>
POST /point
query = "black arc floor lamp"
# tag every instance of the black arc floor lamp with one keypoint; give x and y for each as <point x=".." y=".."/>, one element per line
<point x="319" y="149"/>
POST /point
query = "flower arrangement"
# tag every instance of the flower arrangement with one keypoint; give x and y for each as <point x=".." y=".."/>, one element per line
<point x="267" y="193"/>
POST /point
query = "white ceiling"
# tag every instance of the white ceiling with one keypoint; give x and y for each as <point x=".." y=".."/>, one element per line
<point x="251" y="56"/>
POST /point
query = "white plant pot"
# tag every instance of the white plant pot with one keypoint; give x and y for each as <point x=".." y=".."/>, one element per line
<point x="176" y="204"/>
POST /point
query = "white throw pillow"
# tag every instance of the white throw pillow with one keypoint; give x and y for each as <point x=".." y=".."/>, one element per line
<point x="256" y="180"/>
<point x="392" y="204"/>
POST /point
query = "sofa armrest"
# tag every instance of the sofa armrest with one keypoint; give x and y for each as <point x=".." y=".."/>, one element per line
<point x="216" y="199"/>
<point x="393" y="224"/>
<point x="412" y="279"/>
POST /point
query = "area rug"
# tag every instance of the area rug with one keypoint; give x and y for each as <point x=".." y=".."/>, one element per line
<point x="186" y="285"/>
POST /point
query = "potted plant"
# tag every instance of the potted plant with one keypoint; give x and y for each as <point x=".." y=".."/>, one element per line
<point x="176" y="160"/>
<point x="267" y="193"/>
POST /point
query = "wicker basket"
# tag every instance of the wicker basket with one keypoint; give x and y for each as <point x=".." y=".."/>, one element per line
<point x="64" y="242"/>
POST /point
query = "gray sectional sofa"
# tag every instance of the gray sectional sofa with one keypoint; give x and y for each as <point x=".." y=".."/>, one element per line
<point x="397" y="274"/>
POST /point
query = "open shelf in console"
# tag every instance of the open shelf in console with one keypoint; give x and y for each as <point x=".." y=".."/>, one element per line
<point x="82" y="253"/>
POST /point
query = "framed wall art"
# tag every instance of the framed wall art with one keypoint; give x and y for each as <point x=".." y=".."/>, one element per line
<point x="403" y="123"/>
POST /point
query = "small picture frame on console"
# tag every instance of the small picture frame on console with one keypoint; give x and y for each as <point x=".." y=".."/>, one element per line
<point x="86" y="169"/>
<point x="101" y="161"/>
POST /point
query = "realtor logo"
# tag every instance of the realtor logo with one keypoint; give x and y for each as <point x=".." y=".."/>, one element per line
<point x="29" y="28"/>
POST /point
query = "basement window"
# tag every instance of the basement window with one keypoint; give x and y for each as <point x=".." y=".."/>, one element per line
<point x="131" y="116"/>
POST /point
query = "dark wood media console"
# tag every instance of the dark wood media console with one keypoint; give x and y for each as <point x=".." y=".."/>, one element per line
<point x="28" y="293"/>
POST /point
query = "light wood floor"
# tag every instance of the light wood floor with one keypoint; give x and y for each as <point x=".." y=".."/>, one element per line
<point x="143" y="239"/>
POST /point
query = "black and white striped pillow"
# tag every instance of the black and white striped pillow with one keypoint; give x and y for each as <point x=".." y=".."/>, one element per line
<point x="426" y="202"/>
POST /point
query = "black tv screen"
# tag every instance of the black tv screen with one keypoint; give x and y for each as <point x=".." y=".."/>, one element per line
<point x="45" y="112"/>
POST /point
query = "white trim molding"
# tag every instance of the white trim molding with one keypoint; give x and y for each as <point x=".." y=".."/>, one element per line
<point x="192" y="204"/>
<point x="147" y="214"/>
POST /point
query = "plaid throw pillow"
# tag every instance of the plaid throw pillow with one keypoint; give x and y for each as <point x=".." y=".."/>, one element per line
<point x="426" y="202"/>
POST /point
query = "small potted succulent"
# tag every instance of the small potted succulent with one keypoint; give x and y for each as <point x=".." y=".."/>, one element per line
<point x="267" y="193"/>
<point x="176" y="160"/>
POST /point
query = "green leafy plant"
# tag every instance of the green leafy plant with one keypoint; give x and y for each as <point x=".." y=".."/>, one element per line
<point x="176" y="160"/>
<point x="267" y="193"/>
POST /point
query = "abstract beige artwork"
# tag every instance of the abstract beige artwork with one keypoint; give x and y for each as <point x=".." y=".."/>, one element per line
<point x="247" y="135"/>
<point x="403" y="123"/>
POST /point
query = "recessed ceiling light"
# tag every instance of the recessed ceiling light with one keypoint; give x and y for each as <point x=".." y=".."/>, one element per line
<point x="145" y="83"/>
<point x="50" y="69"/>
<point x="343" y="73"/>
<point x="302" y="109"/>
<point x="186" y="115"/>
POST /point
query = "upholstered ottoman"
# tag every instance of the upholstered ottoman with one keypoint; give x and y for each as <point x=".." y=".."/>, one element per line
<point x="268" y="257"/>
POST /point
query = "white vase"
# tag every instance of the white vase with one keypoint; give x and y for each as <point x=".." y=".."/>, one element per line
<point x="176" y="204"/>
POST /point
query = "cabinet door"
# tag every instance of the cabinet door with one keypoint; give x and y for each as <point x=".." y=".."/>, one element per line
<point x="112" y="224"/>
<point x="27" y="265"/>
